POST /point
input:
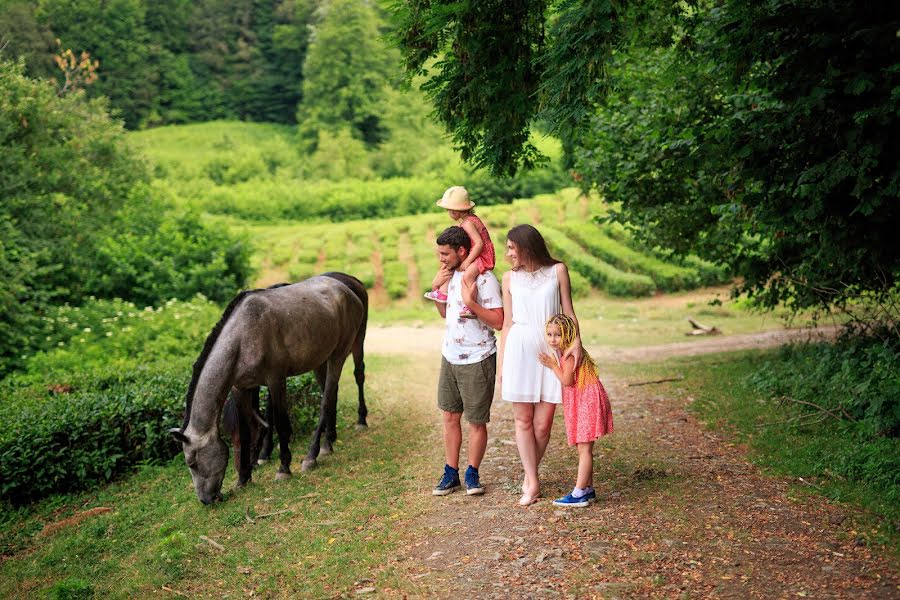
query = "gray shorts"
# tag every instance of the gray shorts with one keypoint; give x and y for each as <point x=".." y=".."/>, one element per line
<point x="468" y="389"/>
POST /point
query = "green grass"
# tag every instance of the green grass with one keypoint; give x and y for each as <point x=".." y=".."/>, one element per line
<point x="340" y="523"/>
<point x="725" y="399"/>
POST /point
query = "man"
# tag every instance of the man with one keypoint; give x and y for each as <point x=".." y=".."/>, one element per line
<point x="469" y="362"/>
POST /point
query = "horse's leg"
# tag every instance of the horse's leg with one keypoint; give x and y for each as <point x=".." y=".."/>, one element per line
<point x="278" y="400"/>
<point x="258" y="432"/>
<point x="266" y="443"/>
<point x="243" y="451"/>
<point x="328" y="428"/>
<point x="314" y="443"/>
<point x="359" y="373"/>
<point x="335" y="367"/>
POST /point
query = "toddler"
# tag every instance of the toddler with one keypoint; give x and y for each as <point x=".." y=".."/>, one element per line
<point x="481" y="256"/>
<point x="586" y="406"/>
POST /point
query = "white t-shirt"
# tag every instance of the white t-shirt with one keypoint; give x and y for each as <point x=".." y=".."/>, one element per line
<point x="469" y="341"/>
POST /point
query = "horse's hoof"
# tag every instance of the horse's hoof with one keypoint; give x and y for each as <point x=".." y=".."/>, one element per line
<point x="361" y="427"/>
<point x="240" y="485"/>
<point x="325" y="450"/>
<point x="308" y="464"/>
<point x="261" y="461"/>
<point x="281" y="476"/>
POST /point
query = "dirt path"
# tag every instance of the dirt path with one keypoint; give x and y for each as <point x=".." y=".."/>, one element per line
<point x="681" y="513"/>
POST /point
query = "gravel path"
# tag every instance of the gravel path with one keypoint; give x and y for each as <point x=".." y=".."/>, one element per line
<point x="681" y="513"/>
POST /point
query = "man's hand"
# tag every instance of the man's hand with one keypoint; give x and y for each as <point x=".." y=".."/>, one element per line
<point x="467" y="292"/>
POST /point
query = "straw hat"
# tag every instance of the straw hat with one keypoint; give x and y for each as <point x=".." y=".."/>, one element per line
<point x="456" y="198"/>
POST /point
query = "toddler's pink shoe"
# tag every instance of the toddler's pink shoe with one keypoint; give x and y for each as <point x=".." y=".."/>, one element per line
<point x="465" y="313"/>
<point x="437" y="296"/>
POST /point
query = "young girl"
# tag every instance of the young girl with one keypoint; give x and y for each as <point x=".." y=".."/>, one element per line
<point x="586" y="406"/>
<point x="481" y="256"/>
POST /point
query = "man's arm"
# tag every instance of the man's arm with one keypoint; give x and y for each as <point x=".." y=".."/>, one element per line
<point x="441" y="308"/>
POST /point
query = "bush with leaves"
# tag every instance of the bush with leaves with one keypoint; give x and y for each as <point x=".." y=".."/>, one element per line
<point x="79" y="219"/>
<point x="101" y="399"/>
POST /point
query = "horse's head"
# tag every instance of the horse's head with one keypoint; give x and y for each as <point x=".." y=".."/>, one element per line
<point x="206" y="456"/>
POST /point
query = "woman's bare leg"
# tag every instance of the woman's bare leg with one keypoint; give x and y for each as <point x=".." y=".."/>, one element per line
<point x="543" y="423"/>
<point x="527" y="445"/>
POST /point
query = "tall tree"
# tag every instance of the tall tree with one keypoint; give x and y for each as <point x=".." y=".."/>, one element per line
<point x="113" y="32"/>
<point x="346" y="70"/>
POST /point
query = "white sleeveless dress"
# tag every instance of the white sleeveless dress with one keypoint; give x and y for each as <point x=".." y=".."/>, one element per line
<point x="535" y="298"/>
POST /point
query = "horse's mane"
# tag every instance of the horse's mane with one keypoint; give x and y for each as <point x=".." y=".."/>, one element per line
<point x="208" y="346"/>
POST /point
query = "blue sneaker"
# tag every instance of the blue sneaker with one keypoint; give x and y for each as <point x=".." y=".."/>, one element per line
<point x="449" y="482"/>
<point x="572" y="501"/>
<point x="473" y="485"/>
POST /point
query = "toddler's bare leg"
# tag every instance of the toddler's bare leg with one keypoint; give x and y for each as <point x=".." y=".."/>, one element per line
<point x="470" y="275"/>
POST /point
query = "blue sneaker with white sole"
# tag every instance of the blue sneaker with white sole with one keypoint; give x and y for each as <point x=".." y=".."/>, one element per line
<point x="580" y="502"/>
<point x="449" y="483"/>
<point x="473" y="485"/>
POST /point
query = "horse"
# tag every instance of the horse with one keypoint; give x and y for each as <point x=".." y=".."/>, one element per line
<point x="263" y="337"/>
<point x="261" y="437"/>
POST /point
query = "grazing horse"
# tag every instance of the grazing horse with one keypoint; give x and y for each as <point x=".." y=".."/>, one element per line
<point x="264" y="337"/>
<point x="261" y="437"/>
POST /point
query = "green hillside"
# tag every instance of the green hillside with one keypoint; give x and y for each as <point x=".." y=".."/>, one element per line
<point x="250" y="178"/>
<point x="395" y="257"/>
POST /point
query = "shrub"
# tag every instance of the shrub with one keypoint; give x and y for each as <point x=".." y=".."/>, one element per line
<point x="858" y="378"/>
<point x="103" y="399"/>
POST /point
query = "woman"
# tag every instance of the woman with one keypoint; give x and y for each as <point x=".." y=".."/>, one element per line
<point x="535" y="289"/>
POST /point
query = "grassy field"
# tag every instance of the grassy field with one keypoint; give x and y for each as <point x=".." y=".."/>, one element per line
<point x="317" y="535"/>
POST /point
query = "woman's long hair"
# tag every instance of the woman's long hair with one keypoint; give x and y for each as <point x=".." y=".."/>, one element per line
<point x="530" y="246"/>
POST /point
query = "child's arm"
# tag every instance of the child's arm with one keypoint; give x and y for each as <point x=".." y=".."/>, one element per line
<point x="564" y="371"/>
<point x="477" y="243"/>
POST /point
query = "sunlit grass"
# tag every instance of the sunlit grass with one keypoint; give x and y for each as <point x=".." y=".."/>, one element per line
<point x="316" y="535"/>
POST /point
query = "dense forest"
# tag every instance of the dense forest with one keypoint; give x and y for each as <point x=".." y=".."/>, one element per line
<point x="172" y="61"/>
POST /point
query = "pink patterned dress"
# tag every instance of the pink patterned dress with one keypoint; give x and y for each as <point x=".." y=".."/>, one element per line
<point x="487" y="259"/>
<point x="586" y="406"/>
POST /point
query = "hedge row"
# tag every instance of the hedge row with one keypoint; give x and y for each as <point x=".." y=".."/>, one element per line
<point x="600" y="274"/>
<point x="666" y="276"/>
<point x="57" y="438"/>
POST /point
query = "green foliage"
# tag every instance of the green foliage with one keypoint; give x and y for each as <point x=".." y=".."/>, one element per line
<point x="79" y="219"/>
<point x="486" y="78"/>
<point x="173" y="61"/>
<point x="848" y="461"/>
<point x="101" y="399"/>
<point x="751" y="145"/>
<point x="344" y="81"/>
<point x="161" y="256"/>
<point x="254" y="171"/>
<point x="856" y="378"/>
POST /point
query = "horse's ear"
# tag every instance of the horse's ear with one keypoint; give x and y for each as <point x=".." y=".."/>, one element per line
<point x="179" y="436"/>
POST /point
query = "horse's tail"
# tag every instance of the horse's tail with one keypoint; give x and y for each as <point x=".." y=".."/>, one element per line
<point x="230" y="416"/>
<point x="359" y="370"/>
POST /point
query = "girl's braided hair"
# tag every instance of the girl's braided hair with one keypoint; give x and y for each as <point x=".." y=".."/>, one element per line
<point x="587" y="370"/>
